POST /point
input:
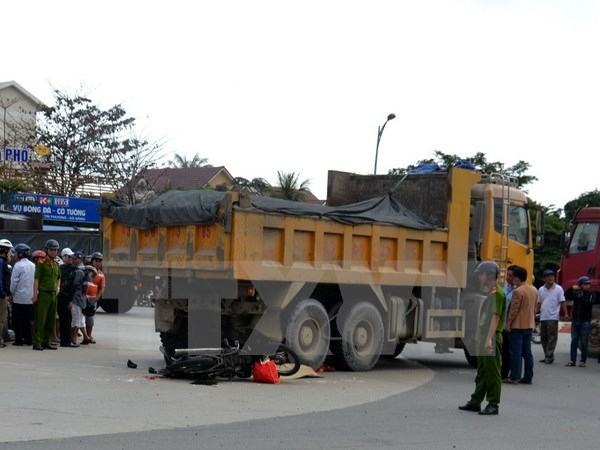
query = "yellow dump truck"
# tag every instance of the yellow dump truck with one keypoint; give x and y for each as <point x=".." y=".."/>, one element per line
<point x="352" y="280"/>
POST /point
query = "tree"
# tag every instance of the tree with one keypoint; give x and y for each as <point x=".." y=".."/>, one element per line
<point x="588" y="199"/>
<point x="548" y="255"/>
<point x="519" y="171"/>
<point x="181" y="162"/>
<point x="126" y="161"/>
<point x="80" y="134"/>
<point x="290" y="187"/>
<point x="9" y="183"/>
<point x="256" y="185"/>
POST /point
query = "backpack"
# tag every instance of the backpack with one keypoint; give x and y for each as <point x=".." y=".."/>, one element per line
<point x="67" y="276"/>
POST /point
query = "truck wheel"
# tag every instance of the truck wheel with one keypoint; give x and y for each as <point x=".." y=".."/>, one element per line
<point x="361" y="338"/>
<point x="472" y="360"/>
<point x="116" y="305"/>
<point x="307" y="332"/>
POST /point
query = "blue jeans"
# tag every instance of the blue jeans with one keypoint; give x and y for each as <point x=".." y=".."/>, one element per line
<point x="520" y="350"/>
<point x="580" y="334"/>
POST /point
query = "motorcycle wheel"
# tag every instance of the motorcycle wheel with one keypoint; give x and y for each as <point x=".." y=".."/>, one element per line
<point x="286" y="360"/>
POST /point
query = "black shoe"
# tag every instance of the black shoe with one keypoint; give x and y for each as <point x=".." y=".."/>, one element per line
<point x="50" y="347"/>
<point x="524" y="381"/>
<point x="549" y="361"/>
<point x="543" y="360"/>
<point x="38" y="347"/>
<point x="470" y="407"/>
<point x="490" y="410"/>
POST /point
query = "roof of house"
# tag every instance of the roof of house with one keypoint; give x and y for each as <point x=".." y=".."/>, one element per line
<point x="183" y="178"/>
<point x="32" y="98"/>
<point x="309" y="197"/>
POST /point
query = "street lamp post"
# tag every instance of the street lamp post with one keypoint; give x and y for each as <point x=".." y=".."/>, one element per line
<point x="379" y="133"/>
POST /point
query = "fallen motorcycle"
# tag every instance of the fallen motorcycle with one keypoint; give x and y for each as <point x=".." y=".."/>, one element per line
<point x="227" y="362"/>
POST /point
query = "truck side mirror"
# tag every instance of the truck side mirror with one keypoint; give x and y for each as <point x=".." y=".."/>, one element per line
<point x="539" y="228"/>
<point x="564" y="241"/>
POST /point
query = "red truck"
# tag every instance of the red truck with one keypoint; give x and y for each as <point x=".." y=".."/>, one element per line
<point x="582" y="257"/>
<point x="582" y="250"/>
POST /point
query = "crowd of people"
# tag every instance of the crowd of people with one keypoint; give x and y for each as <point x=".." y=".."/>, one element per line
<point x="48" y="297"/>
<point x="508" y="321"/>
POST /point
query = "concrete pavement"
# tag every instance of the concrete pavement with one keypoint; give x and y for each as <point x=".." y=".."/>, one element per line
<point x="90" y="391"/>
<point x="559" y="411"/>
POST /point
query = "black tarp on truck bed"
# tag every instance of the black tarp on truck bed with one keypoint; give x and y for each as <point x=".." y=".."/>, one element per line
<point x="200" y="207"/>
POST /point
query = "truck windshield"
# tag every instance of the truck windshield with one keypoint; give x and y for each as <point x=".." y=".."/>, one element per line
<point x="585" y="237"/>
<point x="518" y="220"/>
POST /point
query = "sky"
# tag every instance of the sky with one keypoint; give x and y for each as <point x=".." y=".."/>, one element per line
<point x="261" y="86"/>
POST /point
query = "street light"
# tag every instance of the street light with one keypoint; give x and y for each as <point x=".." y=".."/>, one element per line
<point x="379" y="133"/>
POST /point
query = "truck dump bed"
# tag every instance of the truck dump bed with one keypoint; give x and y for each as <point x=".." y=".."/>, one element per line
<point x="230" y="236"/>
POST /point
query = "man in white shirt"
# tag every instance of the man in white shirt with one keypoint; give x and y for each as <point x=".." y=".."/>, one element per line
<point x="21" y="289"/>
<point x="551" y="300"/>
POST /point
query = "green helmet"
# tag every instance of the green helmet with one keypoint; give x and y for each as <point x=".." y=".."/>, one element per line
<point x="488" y="267"/>
<point x="52" y="243"/>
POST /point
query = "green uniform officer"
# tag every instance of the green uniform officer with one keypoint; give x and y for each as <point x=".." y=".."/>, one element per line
<point x="47" y="278"/>
<point x="488" y="382"/>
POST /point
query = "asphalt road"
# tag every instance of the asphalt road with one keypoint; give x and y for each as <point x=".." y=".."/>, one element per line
<point x="559" y="411"/>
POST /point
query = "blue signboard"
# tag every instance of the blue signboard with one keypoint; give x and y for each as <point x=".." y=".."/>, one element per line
<point x="57" y="208"/>
<point x="15" y="155"/>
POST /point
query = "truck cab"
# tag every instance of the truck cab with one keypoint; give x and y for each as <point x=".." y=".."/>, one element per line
<point x="501" y="225"/>
<point x="582" y="251"/>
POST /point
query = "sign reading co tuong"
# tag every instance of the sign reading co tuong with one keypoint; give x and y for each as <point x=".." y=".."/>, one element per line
<point x="56" y="208"/>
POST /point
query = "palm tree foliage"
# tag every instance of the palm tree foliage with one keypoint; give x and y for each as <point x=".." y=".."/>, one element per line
<point x="182" y="162"/>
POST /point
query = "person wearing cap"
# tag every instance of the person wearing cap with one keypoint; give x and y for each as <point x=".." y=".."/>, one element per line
<point x="581" y="320"/>
<point x="78" y="301"/>
<point x="47" y="282"/>
<point x="488" y="383"/>
<point x="5" y="247"/>
<point x="99" y="281"/>
<point x="65" y="297"/>
<point x="21" y="289"/>
<point x="551" y="300"/>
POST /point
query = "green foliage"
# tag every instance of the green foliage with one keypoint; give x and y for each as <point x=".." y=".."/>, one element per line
<point x="12" y="181"/>
<point x="290" y="187"/>
<point x="80" y="135"/>
<point x="256" y="185"/>
<point x="548" y="256"/>
<point x="446" y="160"/>
<point x="588" y="199"/>
<point x="181" y="162"/>
<point x="11" y="185"/>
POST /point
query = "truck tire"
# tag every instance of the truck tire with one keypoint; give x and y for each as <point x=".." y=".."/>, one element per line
<point x="362" y="336"/>
<point x="472" y="360"/>
<point x="308" y="332"/>
<point x="116" y="305"/>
